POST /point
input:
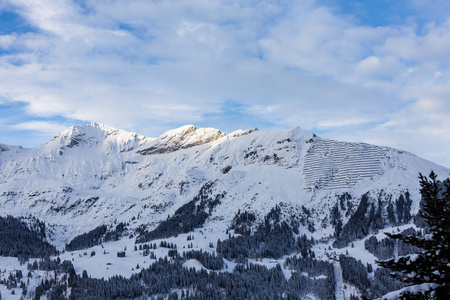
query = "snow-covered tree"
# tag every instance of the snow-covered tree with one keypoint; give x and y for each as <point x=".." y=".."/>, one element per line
<point x="427" y="272"/>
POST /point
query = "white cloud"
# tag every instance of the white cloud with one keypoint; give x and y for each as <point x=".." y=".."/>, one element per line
<point x="48" y="128"/>
<point x="6" y="41"/>
<point x="295" y="63"/>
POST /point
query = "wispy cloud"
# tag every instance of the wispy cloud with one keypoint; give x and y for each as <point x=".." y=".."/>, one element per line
<point x="41" y="126"/>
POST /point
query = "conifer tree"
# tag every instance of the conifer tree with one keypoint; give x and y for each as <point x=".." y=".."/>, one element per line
<point x="427" y="272"/>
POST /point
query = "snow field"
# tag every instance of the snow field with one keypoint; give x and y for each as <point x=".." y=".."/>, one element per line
<point x="10" y="265"/>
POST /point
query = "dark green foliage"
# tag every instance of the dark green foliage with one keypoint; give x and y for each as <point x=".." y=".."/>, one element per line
<point x="57" y="292"/>
<point x="162" y="277"/>
<point x="209" y="261"/>
<point x="368" y="217"/>
<point x="383" y="283"/>
<point x="115" y="234"/>
<point x="400" y="211"/>
<point x="95" y="237"/>
<point x="431" y="263"/>
<point x="248" y="281"/>
<point x="365" y="219"/>
<point x="88" y="239"/>
<point x="272" y="239"/>
<point x="172" y="253"/>
<point x="165" y="244"/>
<point x="13" y="280"/>
<point x="117" y="287"/>
<point x="186" y="218"/>
<point x="306" y="219"/>
<point x="245" y="282"/>
<point x="46" y="264"/>
<point x="242" y="222"/>
<point x="225" y="169"/>
<point x="344" y="202"/>
<point x="18" y="240"/>
<point x="369" y="268"/>
<point x="354" y="272"/>
<point x="385" y="248"/>
<point x="405" y="248"/>
<point x="301" y="285"/>
<point x="336" y="220"/>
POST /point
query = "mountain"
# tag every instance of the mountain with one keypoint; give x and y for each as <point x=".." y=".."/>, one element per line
<point x="340" y="196"/>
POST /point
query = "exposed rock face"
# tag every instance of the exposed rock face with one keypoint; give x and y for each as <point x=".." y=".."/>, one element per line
<point x="182" y="138"/>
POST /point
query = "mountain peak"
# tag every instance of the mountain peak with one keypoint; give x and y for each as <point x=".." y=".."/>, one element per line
<point x="178" y="132"/>
<point x="79" y="133"/>
<point x="102" y="127"/>
<point x="98" y="134"/>
<point x="181" y="138"/>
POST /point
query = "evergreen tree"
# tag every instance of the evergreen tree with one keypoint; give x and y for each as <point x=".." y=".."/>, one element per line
<point x="427" y="272"/>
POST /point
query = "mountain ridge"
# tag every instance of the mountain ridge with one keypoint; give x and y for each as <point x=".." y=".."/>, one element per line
<point x="94" y="188"/>
<point x="102" y="169"/>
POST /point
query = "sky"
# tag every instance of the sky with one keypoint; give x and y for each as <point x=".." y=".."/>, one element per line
<point x="363" y="71"/>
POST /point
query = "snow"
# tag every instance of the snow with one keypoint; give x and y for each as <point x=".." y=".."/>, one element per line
<point x="181" y="138"/>
<point x="193" y="263"/>
<point x="339" y="291"/>
<point x="330" y="164"/>
<point x="93" y="175"/>
<point x="241" y="132"/>
<point x="358" y="250"/>
<point x="11" y="265"/>
<point x="105" y="262"/>
<point x="128" y="184"/>
<point x="418" y="288"/>
<point x="178" y="133"/>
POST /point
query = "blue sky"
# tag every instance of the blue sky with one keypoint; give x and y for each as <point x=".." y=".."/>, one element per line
<point x="370" y="71"/>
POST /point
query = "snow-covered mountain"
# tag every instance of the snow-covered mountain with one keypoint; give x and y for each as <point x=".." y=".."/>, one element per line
<point x="94" y="175"/>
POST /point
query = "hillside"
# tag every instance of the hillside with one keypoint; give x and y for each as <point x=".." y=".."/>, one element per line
<point x="102" y="189"/>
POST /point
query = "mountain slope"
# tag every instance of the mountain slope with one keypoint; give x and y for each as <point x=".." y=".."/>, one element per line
<point x="99" y="174"/>
<point x="201" y="180"/>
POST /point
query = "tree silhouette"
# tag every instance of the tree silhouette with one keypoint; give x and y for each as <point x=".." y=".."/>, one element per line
<point x="427" y="272"/>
